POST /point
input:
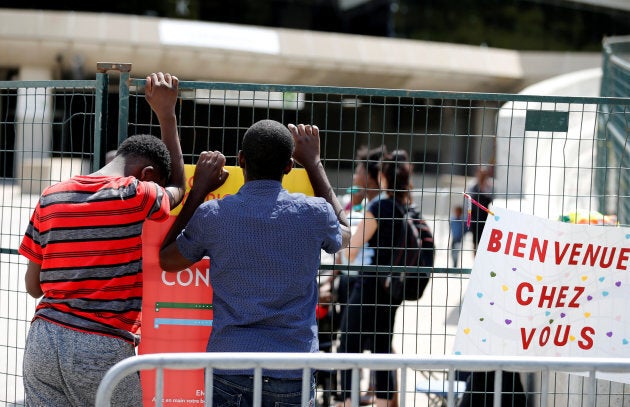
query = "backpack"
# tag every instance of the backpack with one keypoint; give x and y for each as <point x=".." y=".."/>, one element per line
<point x="415" y="248"/>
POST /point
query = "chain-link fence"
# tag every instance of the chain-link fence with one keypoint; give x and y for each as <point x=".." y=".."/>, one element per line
<point x="546" y="156"/>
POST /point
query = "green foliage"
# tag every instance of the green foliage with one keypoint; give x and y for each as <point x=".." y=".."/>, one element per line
<point x="521" y="25"/>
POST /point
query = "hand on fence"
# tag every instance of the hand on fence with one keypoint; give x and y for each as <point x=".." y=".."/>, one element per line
<point x="161" y="91"/>
<point x="210" y="173"/>
<point x="306" y="138"/>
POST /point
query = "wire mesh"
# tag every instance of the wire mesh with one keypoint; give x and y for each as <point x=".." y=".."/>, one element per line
<point x="547" y="156"/>
<point x="46" y="135"/>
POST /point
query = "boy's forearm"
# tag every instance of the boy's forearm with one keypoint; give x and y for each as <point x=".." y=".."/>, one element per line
<point x="170" y="137"/>
<point x="188" y="209"/>
<point x="322" y="188"/>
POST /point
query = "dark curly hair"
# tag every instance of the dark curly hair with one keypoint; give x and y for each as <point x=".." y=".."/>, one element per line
<point x="267" y="147"/>
<point x="150" y="148"/>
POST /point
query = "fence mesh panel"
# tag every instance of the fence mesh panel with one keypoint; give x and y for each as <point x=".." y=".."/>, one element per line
<point x="547" y="156"/>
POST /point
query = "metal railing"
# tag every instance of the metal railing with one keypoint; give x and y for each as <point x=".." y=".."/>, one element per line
<point x="589" y="367"/>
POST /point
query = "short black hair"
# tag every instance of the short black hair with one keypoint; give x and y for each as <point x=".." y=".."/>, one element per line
<point x="267" y="147"/>
<point x="150" y="148"/>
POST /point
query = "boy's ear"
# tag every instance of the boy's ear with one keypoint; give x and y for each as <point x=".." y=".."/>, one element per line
<point x="288" y="167"/>
<point x="149" y="173"/>
<point x="241" y="159"/>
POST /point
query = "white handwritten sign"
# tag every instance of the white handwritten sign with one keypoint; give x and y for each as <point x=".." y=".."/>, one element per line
<point x="541" y="287"/>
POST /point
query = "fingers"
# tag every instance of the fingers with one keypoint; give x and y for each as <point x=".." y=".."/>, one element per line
<point x="303" y="129"/>
<point x="149" y="85"/>
<point x="161" y="78"/>
<point x="212" y="158"/>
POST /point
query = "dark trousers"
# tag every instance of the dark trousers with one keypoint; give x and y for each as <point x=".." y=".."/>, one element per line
<point x="368" y="324"/>
<point x="238" y="391"/>
<point x="480" y="390"/>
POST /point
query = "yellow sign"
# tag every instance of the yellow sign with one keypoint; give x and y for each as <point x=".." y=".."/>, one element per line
<point x="295" y="181"/>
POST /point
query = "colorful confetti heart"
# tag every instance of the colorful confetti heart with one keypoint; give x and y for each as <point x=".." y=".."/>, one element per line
<point x="508" y="321"/>
<point x="609" y="334"/>
<point x="618" y="283"/>
<point x="493" y="274"/>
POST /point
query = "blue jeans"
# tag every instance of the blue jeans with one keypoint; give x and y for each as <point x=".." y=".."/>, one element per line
<point x="238" y="391"/>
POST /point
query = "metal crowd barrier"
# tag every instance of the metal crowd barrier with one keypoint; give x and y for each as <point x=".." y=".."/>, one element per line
<point x="589" y="367"/>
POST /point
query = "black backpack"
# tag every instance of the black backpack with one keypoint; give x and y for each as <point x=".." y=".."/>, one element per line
<point x="415" y="248"/>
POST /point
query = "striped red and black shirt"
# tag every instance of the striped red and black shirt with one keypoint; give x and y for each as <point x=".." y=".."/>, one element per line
<point x="86" y="234"/>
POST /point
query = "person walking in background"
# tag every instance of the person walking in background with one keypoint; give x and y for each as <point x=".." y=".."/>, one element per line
<point x="481" y="191"/>
<point x="264" y="245"/>
<point x="84" y="249"/>
<point x="368" y="322"/>
<point x="458" y="228"/>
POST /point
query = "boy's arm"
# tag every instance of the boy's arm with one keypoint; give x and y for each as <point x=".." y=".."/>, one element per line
<point x="161" y="93"/>
<point x="209" y="175"/>
<point x="307" y="153"/>
<point x="32" y="280"/>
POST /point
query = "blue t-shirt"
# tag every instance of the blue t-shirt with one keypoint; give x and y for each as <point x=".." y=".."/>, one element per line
<point x="264" y="246"/>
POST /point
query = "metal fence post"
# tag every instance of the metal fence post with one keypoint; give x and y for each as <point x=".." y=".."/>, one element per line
<point x="100" y="117"/>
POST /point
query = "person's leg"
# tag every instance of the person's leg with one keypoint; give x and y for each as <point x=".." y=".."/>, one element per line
<point x="385" y="380"/>
<point x="43" y="383"/>
<point x="238" y="391"/>
<point x="480" y="390"/>
<point x="64" y="367"/>
<point x="456" y="248"/>
<point x="356" y="328"/>
<point x="86" y="359"/>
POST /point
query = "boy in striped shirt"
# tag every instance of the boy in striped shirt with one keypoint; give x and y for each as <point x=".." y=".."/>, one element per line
<point x="84" y="249"/>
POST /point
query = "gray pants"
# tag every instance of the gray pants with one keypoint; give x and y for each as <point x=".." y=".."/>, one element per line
<point x="63" y="367"/>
